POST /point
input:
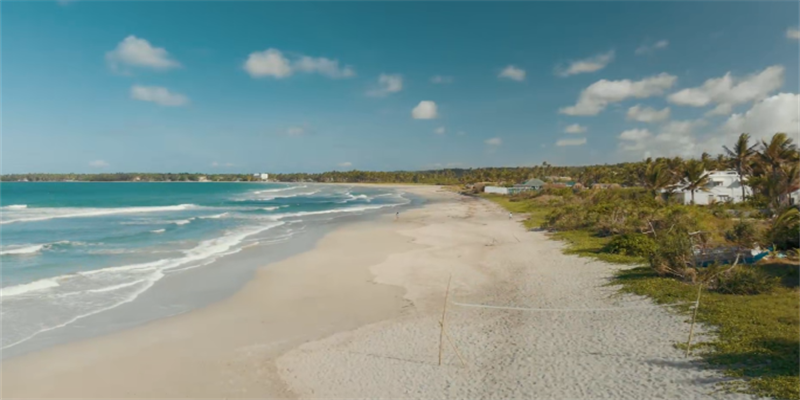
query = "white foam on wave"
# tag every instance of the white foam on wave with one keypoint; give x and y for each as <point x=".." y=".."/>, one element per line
<point x="273" y="208"/>
<point x="286" y="196"/>
<point x="158" y="230"/>
<point x="16" y="290"/>
<point x="46" y="213"/>
<point x="182" y="221"/>
<point x="283" y="189"/>
<point x="216" y="216"/>
<point x="335" y="211"/>
<point x="22" y="250"/>
<point x="115" y="280"/>
<point x="14" y="207"/>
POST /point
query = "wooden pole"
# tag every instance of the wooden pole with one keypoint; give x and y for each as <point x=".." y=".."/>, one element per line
<point x="694" y="316"/>
<point x="441" y="324"/>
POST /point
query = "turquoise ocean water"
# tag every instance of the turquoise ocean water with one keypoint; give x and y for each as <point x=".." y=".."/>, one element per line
<point x="70" y="250"/>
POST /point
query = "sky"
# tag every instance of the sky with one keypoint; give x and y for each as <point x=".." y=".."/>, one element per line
<point x="231" y="87"/>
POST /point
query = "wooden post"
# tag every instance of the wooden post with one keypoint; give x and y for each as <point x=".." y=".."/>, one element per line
<point x="453" y="345"/>
<point x="694" y="316"/>
<point x="444" y="311"/>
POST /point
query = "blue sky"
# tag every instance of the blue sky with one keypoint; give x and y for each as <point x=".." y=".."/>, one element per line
<point x="306" y="87"/>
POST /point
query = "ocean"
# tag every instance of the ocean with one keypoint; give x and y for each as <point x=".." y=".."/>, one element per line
<point x="71" y="250"/>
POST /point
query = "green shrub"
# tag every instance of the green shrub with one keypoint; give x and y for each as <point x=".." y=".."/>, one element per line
<point x="673" y="255"/>
<point x="631" y="244"/>
<point x="785" y="230"/>
<point x="743" y="234"/>
<point x="746" y="280"/>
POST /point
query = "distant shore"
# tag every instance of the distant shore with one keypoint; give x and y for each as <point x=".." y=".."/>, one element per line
<point x="358" y="315"/>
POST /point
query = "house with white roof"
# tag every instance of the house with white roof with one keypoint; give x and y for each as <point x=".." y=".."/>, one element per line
<point x="723" y="186"/>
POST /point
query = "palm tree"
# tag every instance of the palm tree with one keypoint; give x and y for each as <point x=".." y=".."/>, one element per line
<point x="657" y="178"/>
<point x="740" y="156"/>
<point x="694" y="176"/>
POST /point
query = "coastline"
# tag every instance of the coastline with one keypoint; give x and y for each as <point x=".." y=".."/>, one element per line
<point x="348" y="319"/>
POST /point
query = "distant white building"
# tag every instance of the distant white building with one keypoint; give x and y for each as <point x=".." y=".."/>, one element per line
<point x="262" y="176"/>
<point x="495" y="189"/>
<point x="202" y="178"/>
<point x="723" y="186"/>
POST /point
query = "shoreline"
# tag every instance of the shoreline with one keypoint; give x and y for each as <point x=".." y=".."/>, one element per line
<point x="349" y="320"/>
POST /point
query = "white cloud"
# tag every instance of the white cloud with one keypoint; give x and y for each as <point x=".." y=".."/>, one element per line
<point x="496" y="141"/>
<point x="647" y="49"/>
<point x="727" y="92"/>
<point x="779" y="113"/>
<point x="345" y="164"/>
<point x="441" y="79"/>
<point x="426" y="109"/>
<point x="591" y="64"/>
<point x="635" y="134"/>
<point x="135" y="52"/>
<point x="387" y="84"/>
<point x="674" y="138"/>
<point x="158" y="95"/>
<point x="513" y="73"/>
<point x="272" y="62"/>
<point x="439" y="131"/>
<point x="793" y="33"/>
<point x="647" y="114"/>
<point x="600" y="94"/>
<point x="323" y="66"/>
<point x="575" y="128"/>
<point x="216" y="164"/>
<point x="296" y="131"/>
<point x="571" y="142"/>
<point x="98" y="164"/>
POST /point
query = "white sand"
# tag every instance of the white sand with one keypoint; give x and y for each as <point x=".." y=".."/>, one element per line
<point x="357" y="317"/>
<point x="510" y="354"/>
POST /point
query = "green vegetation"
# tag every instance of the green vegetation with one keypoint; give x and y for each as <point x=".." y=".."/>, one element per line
<point x="754" y="309"/>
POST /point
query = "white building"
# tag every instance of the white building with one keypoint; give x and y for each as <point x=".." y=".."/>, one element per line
<point x="262" y="176"/>
<point x="202" y="178"/>
<point x="723" y="186"/>
<point x="495" y="189"/>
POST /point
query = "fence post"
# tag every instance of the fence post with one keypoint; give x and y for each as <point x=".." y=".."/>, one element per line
<point x="444" y="310"/>
<point x="694" y="316"/>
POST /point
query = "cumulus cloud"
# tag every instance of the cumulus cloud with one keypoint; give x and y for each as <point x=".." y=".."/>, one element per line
<point x="98" y="164"/>
<point x="387" y="84"/>
<point x="728" y="91"/>
<point x="575" y="128"/>
<point x="675" y="138"/>
<point x="273" y="63"/>
<point x="571" y="142"/>
<point x="426" y="109"/>
<point x="136" y="52"/>
<point x="439" y="131"/>
<point x="793" y="33"/>
<point x="159" y="95"/>
<point x="590" y="64"/>
<point x="441" y="79"/>
<point x="496" y="141"/>
<point x="650" y="48"/>
<point x="345" y="164"/>
<point x="270" y="62"/>
<point x="779" y="113"/>
<point x="513" y="73"/>
<point x="647" y="114"/>
<point x="600" y="94"/>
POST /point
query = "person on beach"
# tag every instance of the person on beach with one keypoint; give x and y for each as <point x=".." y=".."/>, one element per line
<point x="510" y="216"/>
<point x="397" y="215"/>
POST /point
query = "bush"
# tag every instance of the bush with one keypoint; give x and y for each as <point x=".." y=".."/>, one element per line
<point x="785" y="230"/>
<point x="743" y="234"/>
<point x="673" y="255"/>
<point x="746" y="280"/>
<point x="631" y="244"/>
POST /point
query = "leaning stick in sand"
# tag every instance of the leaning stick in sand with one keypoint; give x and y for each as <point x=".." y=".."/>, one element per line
<point x="444" y="311"/>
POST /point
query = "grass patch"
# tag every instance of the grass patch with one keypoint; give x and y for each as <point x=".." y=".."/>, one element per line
<point x="536" y="213"/>
<point x="586" y="244"/>
<point x="757" y="336"/>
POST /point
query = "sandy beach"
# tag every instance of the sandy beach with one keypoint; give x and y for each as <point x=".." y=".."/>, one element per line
<point x="358" y="317"/>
